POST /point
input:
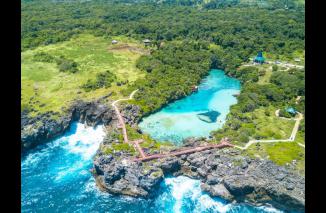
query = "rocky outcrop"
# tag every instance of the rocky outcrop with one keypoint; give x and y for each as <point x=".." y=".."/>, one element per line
<point x="227" y="174"/>
<point x="121" y="176"/>
<point x="42" y="128"/>
<point x="92" y="113"/>
<point x="131" y="114"/>
<point x="223" y="173"/>
<point x="218" y="190"/>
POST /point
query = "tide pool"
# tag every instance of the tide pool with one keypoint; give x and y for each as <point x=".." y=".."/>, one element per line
<point x="182" y="118"/>
<point x="55" y="177"/>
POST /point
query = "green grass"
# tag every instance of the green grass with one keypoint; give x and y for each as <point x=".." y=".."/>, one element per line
<point x="123" y="147"/>
<point x="296" y="54"/>
<point x="265" y="78"/>
<point x="148" y="142"/>
<point x="270" y="127"/>
<point x="44" y="88"/>
<point x="280" y="153"/>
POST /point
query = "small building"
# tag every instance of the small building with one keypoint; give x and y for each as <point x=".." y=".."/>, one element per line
<point x="147" y="42"/>
<point x="114" y="41"/>
<point x="291" y="110"/>
<point x="297" y="60"/>
<point x="259" y="58"/>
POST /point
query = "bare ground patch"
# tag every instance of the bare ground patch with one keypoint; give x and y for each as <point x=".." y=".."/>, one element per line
<point x="127" y="47"/>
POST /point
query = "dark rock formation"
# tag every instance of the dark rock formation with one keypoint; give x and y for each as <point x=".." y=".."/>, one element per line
<point x="122" y="176"/>
<point x="218" y="190"/>
<point x="92" y="113"/>
<point x="42" y="128"/>
<point x="224" y="173"/>
<point x="131" y="114"/>
<point x="229" y="175"/>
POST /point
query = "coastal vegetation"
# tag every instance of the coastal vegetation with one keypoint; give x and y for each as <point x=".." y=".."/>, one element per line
<point x="70" y="56"/>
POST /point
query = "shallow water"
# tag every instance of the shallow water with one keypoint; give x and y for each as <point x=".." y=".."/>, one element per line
<point x="180" y="120"/>
<point x="56" y="178"/>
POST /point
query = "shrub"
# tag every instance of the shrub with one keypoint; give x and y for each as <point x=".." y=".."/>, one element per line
<point x="66" y="65"/>
<point x="284" y="113"/>
<point x="122" y="147"/>
<point x="267" y="112"/>
<point x="262" y="72"/>
<point x="274" y="68"/>
<point x="103" y="79"/>
<point x="43" y="57"/>
<point x="243" y="137"/>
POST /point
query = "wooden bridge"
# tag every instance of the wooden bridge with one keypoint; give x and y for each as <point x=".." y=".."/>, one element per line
<point x="223" y="144"/>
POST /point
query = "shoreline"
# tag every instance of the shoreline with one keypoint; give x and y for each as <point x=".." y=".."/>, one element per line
<point x="117" y="177"/>
<point x="262" y="182"/>
<point x="158" y="168"/>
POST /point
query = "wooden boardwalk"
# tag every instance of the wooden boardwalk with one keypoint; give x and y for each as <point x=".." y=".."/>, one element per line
<point x="122" y="125"/>
<point x="223" y="144"/>
<point x="143" y="156"/>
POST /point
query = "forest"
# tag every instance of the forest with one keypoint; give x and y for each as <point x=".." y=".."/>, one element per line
<point x="187" y="42"/>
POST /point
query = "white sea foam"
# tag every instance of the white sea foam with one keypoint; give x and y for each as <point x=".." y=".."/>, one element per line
<point x="269" y="209"/>
<point x="186" y="188"/>
<point x="85" y="141"/>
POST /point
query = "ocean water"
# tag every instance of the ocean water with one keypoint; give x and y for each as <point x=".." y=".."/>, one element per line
<point x="180" y="119"/>
<point x="55" y="177"/>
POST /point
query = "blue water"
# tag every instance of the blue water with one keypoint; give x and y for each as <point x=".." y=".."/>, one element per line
<point x="56" y="178"/>
<point x="180" y="120"/>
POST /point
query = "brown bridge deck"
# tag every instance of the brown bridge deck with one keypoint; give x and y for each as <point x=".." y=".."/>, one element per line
<point x="223" y="144"/>
<point x="122" y="125"/>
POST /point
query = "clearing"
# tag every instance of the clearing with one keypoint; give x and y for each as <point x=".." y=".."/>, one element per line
<point x="45" y="88"/>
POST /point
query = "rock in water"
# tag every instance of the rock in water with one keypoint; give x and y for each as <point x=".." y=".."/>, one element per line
<point x="218" y="190"/>
<point x="209" y="117"/>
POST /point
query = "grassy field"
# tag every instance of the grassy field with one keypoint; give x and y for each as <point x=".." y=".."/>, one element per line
<point x="267" y="126"/>
<point x="45" y="88"/>
<point x="272" y="127"/>
<point x="280" y="153"/>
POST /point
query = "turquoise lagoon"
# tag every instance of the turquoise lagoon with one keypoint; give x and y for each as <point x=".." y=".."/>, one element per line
<point x="186" y="117"/>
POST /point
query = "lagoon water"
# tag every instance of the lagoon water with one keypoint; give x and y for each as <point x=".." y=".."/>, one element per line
<point x="181" y="119"/>
<point x="55" y="177"/>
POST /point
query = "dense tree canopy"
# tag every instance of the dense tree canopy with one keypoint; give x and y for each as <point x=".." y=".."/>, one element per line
<point x="197" y="36"/>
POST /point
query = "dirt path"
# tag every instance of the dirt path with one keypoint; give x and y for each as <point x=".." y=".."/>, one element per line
<point x="290" y="139"/>
<point x="122" y="124"/>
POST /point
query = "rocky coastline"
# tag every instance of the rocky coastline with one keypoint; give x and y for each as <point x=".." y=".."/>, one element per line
<point x="225" y="173"/>
<point x="42" y="128"/>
